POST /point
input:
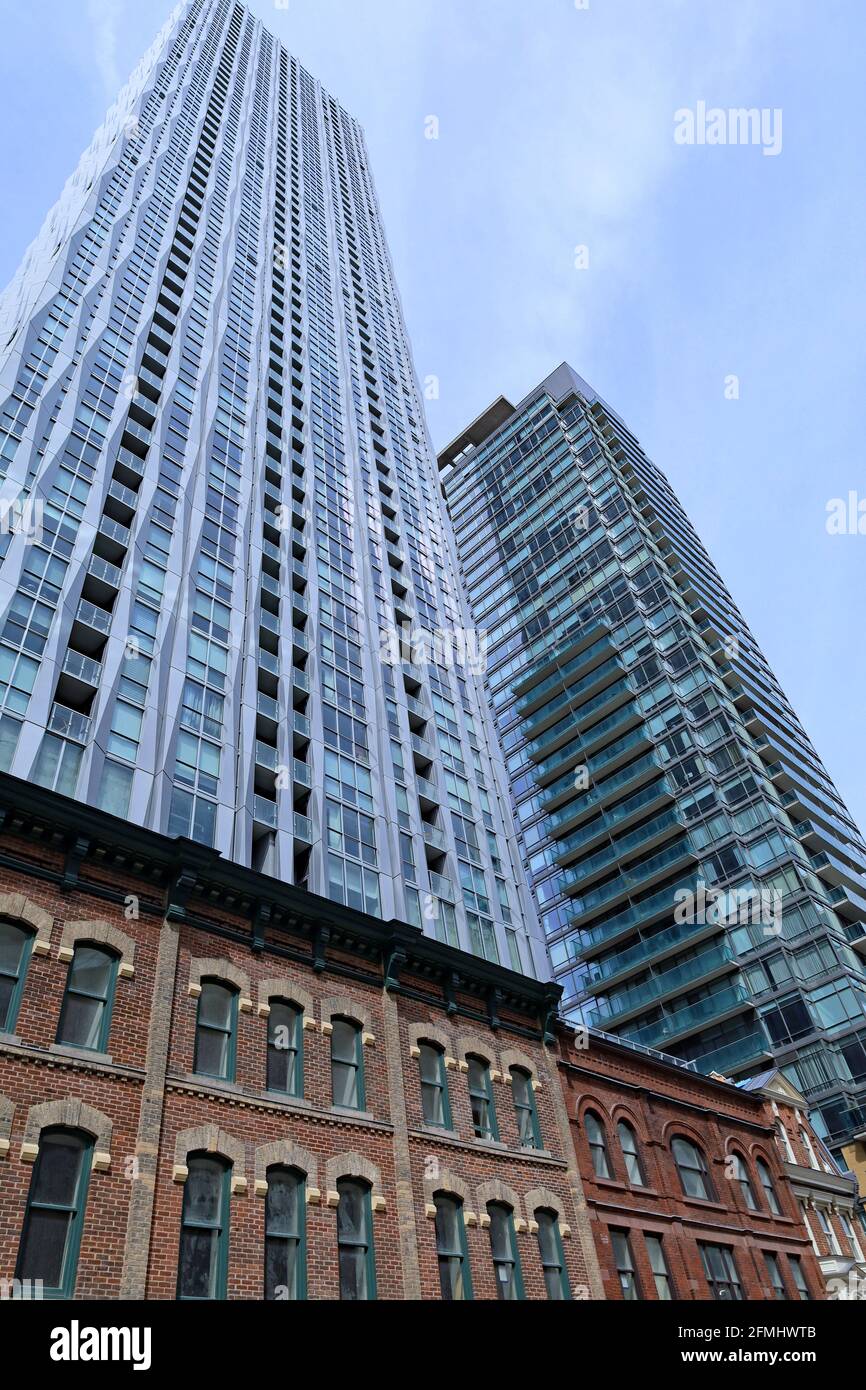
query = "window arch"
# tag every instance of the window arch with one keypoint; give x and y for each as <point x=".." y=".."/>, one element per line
<point x="455" y="1279"/>
<point x="285" y="1234"/>
<point x="503" y="1248"/>
<point x="528" y="1130"/>
<point x="216" y="1030"/>
<point x="552" y="1255"/>
<point x="85" y="1015"/>
<point x="597" y="1140"/>
<point x="481" y="1098"/>
<point x="631" y="1154"/>
<point x="54" y="1220"/>
<point x="347" y="1064"/>
<point x="355" y="1241"/>
<point x="435" y="1101"/>
<point x="285" y="1060"/>
<point x="692" y="1169"/>
<point x="769" y="1187"/>
<point x="741" y="1176"/>
<point x="16" y="944"/>
<point x="204" y="1238"/>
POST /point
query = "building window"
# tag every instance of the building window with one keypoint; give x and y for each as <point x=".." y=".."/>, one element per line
<point x="216" y="1031"/>
<point x="528" y="1129"/>
<point x="631" y="1154"/>
<point x="692" y="1168"/>
<point x="55" y="1212"/>
<point x="799" y="1278"/>
<point x="285" y="1058"/>
<point x="503" y="1246"/>
<point x="741" y="1175"/>
<point x="285" y="1235"/>
<point x="85" y="1018"/>
<point x="15" y="946"/>
<point x="767" y="1184"/>
<point x="829" y="1231"/>
<point x="625" y="1269"/>
<point x="597" y="1141"/>
<point x="355" y="1241"/>
<point x="481" y="1099"/>
<point x="659" y="1266"/>
<point x="774" y="1274"/>
<point x="454" y="1276"/>
<point x="720" y="1269"/>
<point x="204" y="1237"/>
<point x="347" y="1066"/>
<point x="552" y="1256"/>
<point x="435" y="1104"/>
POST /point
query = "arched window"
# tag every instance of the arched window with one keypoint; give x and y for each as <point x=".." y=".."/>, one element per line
<point x="528" y="1129"/>
<point x="15" y="946"/>
<point x="481" y="1099"/>
<point x="204" y="1237"/>
<point x="692" y="1168"/>
<point x="767" y="1184"/>
<point x="454" y="1277"/>
<point x="355" y="1241"/>
<point x="503" y="1247"/>
<point x="631" y="1154"/>
<point x="741" y="1175"/>
<point x="347" y="1065"/>
<point x="216" y="1031"/>
<point x="54" y="1219"/>
<point x="285" y="1235"/>
<point x="285" y="1054"/>
<point x="552" y="1255"/>
<point x="85" y="1018"/>
<point x="435" y="1103"/>
<point x="597" y="1141"/>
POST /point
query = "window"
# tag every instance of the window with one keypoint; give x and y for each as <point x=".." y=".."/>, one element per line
<point x="285" y="1060"/>
<point x="692" y="1168"/>
<point x="85" y="1017"/>
<point x="659" y="1266"/>
<point x="721" y="1271"/>
<point x="799" y="1278"/>
<point x="216" y="1030"/>
<point x="625" y="1269"/>
<point x="829" y="1230"/>
<point x="774" y="1274"/>
<point x="57" y="765"/>
<point x="528" y="1130"/>
<point x="552" y="1256"/>
<point x="481" y="1099"/>
<point x="741" y="1175"/>
<point x="454" y="1277"/>
<point x="631" y="1154"/>
<point x="347" y="1068"/>
<point x="55" y="1212"/>
<point x="435" y="1105"/>
<point x="503" y="1246"/>
<point x="355" y="1241"/>
<point x="15" y="946"/>
<point x="597" y="1141"/>
<point x="203" y="1262"/>
<point x="285" y="1235"/>
<point x="767" y="1184"/>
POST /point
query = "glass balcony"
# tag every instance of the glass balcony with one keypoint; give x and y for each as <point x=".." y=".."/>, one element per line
<point x="104" y="571"/>
<point x="442" y="888"/>
<point x="301" y="775"/>
<point x="268" y="707"/>
<point x="634" y="877"/>
<point x="610" y="854"/>
<point x="741" y="1053"/>
<point x="268" y="662"/>
<point x="82" y="668"/>
<point x="707" y="1011"/>
<point x="598" y="731"/>
<point x="575" y="717"/>
<point x="266" y="756"/>
<point x="301" y="682"/>
<point x="585" y="801"/>
<point x="596" y="766"/>
<point x="640" y="996"/>
<point x="608" y="820"/>
<point x="93" y="616"/>
<point x="435" y="837"/>
<point x="303" y="828"/>
<point x="639" y="914"/>
<point x="300" y="725"/>
<point x="265" y="812"/>
<point x="123" y="494"/>
<point x="269" y="621"/>
<point x="574" y="691"/>
<point x="528" y="697"/>
<point x="300" y="641"/>
<point x="70" y="723"/>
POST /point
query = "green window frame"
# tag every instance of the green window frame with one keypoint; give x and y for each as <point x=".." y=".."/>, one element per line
<point x="286" y="1235"/>
<point x="88" y="1000"/>
<point x="16" y="944"/>
<point x="774" y="1274"/>
<point x="528" y="1128"/>
<point x="455" y="1277"/>
<point x="481" y="1099"/>
<point x="631" y="1154"/>
<point x="285" y="1050"/>
<point x="435" y="1100"/>
<point x="202" y="1267"/>
<point x="504" y="1252"/>
<point x="552" y="1255"/>
<point x="722" y="1275"/>
<point x="625" y="1266"/>
<point x="596" y="1138"/>
<point x="768" y="1185"/>
<point x="692" y="1168"/>
<point x="356" y="1256"/>
<point x="54" y="1219"/>
<point x="347" y="1065"/>
<point x="216" y="1029"/>
<point x="742" y="1176"/>
<point x="799" y="1278"/>
<point x="659" y="1265"/>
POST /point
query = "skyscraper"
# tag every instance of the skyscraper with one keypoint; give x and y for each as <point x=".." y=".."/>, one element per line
<point x="221" y="507"/>
<point x="701" y="883"/>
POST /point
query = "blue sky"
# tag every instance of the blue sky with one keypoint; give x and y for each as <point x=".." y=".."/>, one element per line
<point x="556" y="129"/>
